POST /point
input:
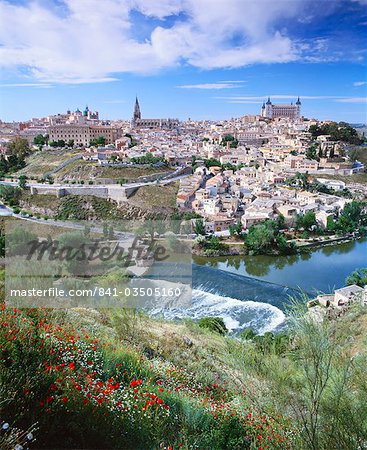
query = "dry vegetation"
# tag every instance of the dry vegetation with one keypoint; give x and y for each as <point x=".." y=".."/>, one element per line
<point x="87" y="170"/>
<point x="41" y="162"/>
<point x="156" y="196"/>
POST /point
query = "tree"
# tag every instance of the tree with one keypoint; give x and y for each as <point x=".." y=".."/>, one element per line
<point x="212" y="162"/>
<point x="199" y="227"/>
<point x="99" y="142"/>
<point x="352" y="217"/>
<point x="299" y="180"/>
<point x="341" y="131"/>
<point x="22" y="181"/>
<point x="71" y="244"/>
<point x="306" y="221"/>
<point x="358" y="277"/>
<point x="10" y="194"/>
<point x="311" y="152"/>
<point x="260" y="239"/>
<point x="280" y="222"/>
<point x="231" y="139"/>
<point x="236" y="229"/>
<point x="354" y="154"/>
<point x="18" y="241"/>
<point x="39" y="140"/>
<point x="111" y="234"/>
<point x="19" y="147"/>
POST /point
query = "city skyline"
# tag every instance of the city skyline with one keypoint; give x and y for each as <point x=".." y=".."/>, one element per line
<point x="59" y="55"/>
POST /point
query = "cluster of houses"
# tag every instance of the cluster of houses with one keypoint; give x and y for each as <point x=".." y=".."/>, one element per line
<point x="252" y="195"/>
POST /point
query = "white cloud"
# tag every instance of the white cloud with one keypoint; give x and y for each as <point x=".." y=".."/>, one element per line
<point x="257" y="99"/>
<point x="220" y="85"/>
<point x="359" y="83"/>
<point x="92" y="40"/>
<point x="352" y="100"/>
<point x="40" y="85"/>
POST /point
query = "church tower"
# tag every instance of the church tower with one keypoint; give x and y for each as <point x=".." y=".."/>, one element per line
<point x="269" y="109"/>
<point x="137" y="113"/>
<point x="263" y="110"/>
<point x="298" y="104"/>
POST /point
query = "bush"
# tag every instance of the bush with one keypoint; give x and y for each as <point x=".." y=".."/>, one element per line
<point x="215" y="324"/>
<point x="248" y="334"/>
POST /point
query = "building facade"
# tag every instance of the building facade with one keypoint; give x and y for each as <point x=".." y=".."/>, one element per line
<point x="83" y="134"/>
<point x="271" y="111"/>
<point x="138" y="122"/>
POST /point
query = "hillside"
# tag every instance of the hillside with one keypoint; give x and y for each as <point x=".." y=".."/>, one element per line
<point x="39" y="163"/>
<point x="86" y="170"/>
<point x="147" y="202"/>
<point x="120" y="380"/>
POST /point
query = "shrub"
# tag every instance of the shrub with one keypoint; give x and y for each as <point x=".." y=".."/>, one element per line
<point x="215" y="324"/>
<point x="248" y="334"/>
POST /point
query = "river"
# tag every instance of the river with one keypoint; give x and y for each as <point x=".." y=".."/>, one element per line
<point x="255" y="291"/>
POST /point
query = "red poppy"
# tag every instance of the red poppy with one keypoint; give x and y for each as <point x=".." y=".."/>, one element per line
<point x="135" y="383"/>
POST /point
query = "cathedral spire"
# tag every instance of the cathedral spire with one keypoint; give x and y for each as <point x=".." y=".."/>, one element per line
<point x="137" y="113"/>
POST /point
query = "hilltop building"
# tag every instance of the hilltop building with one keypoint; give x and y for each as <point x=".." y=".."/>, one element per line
<point x="138" y="122"/>
<point x="83" y="134"/>
<point x="271" y="111"/>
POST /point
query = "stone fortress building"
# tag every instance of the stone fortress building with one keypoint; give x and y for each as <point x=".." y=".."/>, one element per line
<point x="271" y="111"/>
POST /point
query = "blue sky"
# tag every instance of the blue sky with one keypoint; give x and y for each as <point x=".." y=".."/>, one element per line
<point x="211" y="59"/>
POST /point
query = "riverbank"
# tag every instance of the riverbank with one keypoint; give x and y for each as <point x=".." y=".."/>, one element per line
<point x="232" y="248"/>
<point x="331" y="240"/>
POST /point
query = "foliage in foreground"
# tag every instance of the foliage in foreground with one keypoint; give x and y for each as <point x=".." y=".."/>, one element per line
<point x="118" y="386"/>
<point x="86" y="392"/>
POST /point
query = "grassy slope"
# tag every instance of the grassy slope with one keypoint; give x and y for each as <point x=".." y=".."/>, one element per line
<point x="86" y="170"/>
<point x="135" y="384"/>
<point x="40" y="162"/>
<point x="222" y="393"/>
<point x="153" y="196"/>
